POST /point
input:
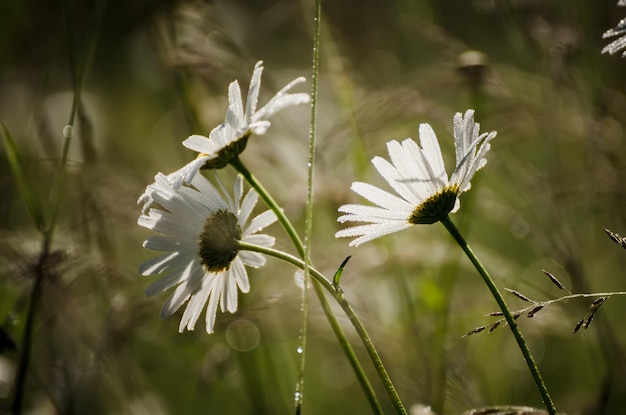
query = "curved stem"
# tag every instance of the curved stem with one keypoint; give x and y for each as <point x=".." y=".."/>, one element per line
<point x="336" y="327"/>
<point x="354" y="319"/>
<point x="271" y="203"/>
<point x="532" y="366"/>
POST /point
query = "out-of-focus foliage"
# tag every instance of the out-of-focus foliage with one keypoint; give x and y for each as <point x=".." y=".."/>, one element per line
<point x="555" y="178"/>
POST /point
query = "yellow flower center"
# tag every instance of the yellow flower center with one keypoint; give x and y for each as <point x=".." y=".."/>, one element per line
<point x="225" y="155"/>
<point x="218" y="241"/>
<point x="435" y="207"/>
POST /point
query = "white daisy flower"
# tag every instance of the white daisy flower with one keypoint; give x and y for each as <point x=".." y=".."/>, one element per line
<point x="229" y="139"/>
<point x="419" y="177"/>
<point x="200" y="230"/>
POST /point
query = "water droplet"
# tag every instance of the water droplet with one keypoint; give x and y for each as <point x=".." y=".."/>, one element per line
<point x="297" y="396"/>
<point x="67" y="131"/>
<point x="299" y="350"/>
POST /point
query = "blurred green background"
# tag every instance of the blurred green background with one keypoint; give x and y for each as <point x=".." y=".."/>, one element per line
<point x="159" y="70"/>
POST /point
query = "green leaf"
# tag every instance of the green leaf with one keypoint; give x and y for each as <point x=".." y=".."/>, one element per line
<point x="26" y="191"/>
<point x="337" y="276"/>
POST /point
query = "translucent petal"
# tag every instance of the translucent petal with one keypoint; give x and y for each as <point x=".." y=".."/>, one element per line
<point x="168" y="244"/>
<point x="260" y="222"/>
<point x="240" y="275"/>
<point x="157" y="264"/>
<point x="363" y="213"/>
<point x="181" y="293"/>
<point x="432" y="157"/>
<point x="168" y="224"/>
<point x="234" y="99"/>
<point x="214" y="298"/>
<point x="229" y="294"/>
<point x="198" y="143"/>
<point x="172" y="279"/>
<point x="380" y="197"/>
<point x="370" y="232"/>
<point x="425" y="178"/>
<point x="251" y="259"/>
<point x="246" y="206"/>
<point x="412" y="191"/>
<point x="253" y="90"/>
<point x="258" y="127"/>
<point x="260" y="240"/>
<point x="195" y="306"/>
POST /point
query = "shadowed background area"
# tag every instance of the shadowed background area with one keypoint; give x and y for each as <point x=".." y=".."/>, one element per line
<point x="158" y="71"/>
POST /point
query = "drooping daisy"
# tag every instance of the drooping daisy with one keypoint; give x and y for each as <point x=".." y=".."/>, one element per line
<point x="200" y="228"/>
<point x="418" y="175"/>
<point x="229" y="139"/>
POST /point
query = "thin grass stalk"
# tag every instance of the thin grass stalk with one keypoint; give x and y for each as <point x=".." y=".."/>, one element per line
<point x="56" y="192"/>
<point x="334" y="323"/>
<point x="530" y="361"/>
<point x="348" y="310"/>
<point x="308" y="223"/>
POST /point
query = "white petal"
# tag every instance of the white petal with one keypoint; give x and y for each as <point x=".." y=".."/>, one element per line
<point x="260" y="222"/>
<point x="157" y="264"/>
<point x="214" y="298"/>
<point x="380" y="197"/>
<point x="425" y="180"/>
<point x="234" y="99"/>
<point x="363" y="213"/>
<point x="240" y="276"/>
<point x="370" y="232"/>
<point x="181" y="293"/>
<point x="172" y="279"/>
<point x="258" y="127"/>
<point x="252" y="259"/>
<point x="167" y="243"/>
<point x="229" y="294"/>
<point x="279" y="103"/>
<point x="260" y="240"/>
<point x="246" y="206"/>
<point x="168" y="224"/>
<point x="432" y="153"/>
<point x="198" y="143"/>
<point x="253" y="90"/>
<point x="194" y="307"/>
<point x="411" y="189"/>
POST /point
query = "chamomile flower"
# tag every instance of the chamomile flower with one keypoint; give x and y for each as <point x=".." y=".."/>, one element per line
<point x="417" y="174"/>
<point x="199" y="229"/>
<point x="230" y="138"/>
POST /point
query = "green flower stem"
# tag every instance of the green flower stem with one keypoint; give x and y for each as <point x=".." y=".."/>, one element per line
<point x="336" y="327"/>
<point x="532" y="366"/>
<point x="322" y="281"/>
<point x="271" y="203"/>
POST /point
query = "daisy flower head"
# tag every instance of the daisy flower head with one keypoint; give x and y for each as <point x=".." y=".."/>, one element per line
<point x="200" y="227"/>
<point x="229" y="139"/>
<point x="417" y="174"/>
